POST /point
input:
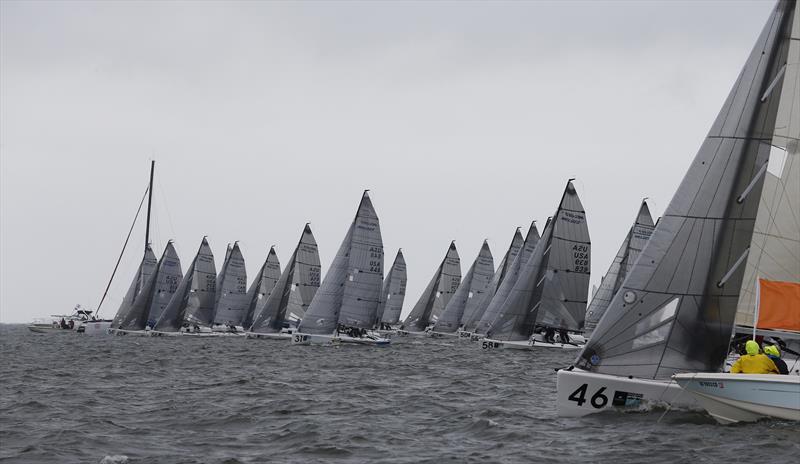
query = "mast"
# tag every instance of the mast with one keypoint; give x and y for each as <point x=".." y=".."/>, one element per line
<point x="149" y="204"/>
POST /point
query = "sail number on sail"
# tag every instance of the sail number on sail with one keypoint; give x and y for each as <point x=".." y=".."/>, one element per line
<point x="581" y="255"/>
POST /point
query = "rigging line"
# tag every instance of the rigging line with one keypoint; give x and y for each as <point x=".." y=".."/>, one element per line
<point x="141" y="203"/>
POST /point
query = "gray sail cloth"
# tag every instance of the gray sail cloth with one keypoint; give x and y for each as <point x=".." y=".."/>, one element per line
<point x="193" y="301"/>
<point x="394" y="291"/>
<point x="775" y="247"/>
<point x="221" y="273"/>
<point x="437" y="294"/>
<point x="469" y="293"/>
<point x="474" y="314"/>
<point x="295" y="289"/>
<point x="635" y="239"/>
<point x="498" y="300"/>
<point x="127" y="312"/>
<point x="262" y="285"/>
<point x="351" y="291"/>
<point x="231" y="304"/>
<point x="165" y="283"/>
<point x="675" y="310"/>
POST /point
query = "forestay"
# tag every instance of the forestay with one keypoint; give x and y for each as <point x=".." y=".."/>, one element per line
<point x="497" y="303"/>
<point x="350" y="293"/>
<point x="437" y="294"/>
<point x="394" y="291"/>
<point x="675" y="311"/>
<point x="471" y="290"/>
<point x="231" y="304"/>
<point x="473" y="315"/>
<point x="635" y="239"/>
<point x="295" y="289"/>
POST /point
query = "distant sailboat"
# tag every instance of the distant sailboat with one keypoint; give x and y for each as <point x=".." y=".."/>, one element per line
<point x="230" y="307"/>
<point x="677" y="308"/>
<point x="471" y="318"/>
<point x="191" y="309"/>
<point x="278" y="314"/>
<point x="136" y="318"/>
<point x="497" y="302"/>
<point x="346" y="304"/>
<point x="635" y="239"/>
<point x="393" y="294"/>
<point x="552" y="286"/>
<point x="262" y="285"/>
<point x="468" y="295"/>
<point x="434" y="298"/>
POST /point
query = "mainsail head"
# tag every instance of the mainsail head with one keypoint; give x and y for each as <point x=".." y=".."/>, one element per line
<point x="675" y="311"/>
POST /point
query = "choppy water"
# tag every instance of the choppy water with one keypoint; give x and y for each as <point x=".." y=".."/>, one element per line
<point x="69" y="398"/>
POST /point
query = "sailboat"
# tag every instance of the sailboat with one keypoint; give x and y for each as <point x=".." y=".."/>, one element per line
<point x="471" y="318"/>
<point x="278" y="315"/>
<point x="346" y="305"/>
<point x="230" y="307"/>
<point x="191" y="309"/>
<point x="393" y="295"/>
<point x="551" y="288"/>
<point x="137" y="313"/>
<point x="676" y="310"/>
<point x="262" y="285"/>
<point x="434" y="298"/>
<point x="495" y="306"/>
<point x="132" y="307"/>
<point x="468" y="294"/>
<point x="635" y="239"/>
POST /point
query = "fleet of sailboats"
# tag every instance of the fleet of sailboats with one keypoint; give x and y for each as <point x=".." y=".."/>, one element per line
<point x="677" y="295"/>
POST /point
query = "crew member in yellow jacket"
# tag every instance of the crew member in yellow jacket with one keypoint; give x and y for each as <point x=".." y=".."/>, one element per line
<point x="753" y="362"/>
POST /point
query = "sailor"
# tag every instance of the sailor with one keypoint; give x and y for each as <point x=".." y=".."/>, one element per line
<point x="774" y="354"/>
<point x="549" y="335"/>
<point x="563" y="335"/>
<point x="753" y="362"/>
<point x="63" y="323"/>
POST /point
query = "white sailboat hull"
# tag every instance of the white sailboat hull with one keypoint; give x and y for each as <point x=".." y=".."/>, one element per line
<point x="406" y="333"/>
<point x="526" y="345"/>
<point x="269" y="336"/>
<point x="581" y="393"/>
<point x="434" y="334"/>
<point x="731" y="398"/>
<point x="331" y="339"/>
<point x="94" y="327"/>
<point x="129" y="333"/>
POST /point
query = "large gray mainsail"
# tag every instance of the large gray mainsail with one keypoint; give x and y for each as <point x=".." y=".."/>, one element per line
<point x="127" y="312"/>
<point x="437" y="294"/>
<point x="474" y="314"/>
<point x="165" y="283"/>
<point x="262" y="285"/>
<point x="498" y="299"/>
<point x="635" y="239"/>
<point x="469" y="293"/>
<point x="193" y="301"/>
<point x="231" y="296"/>
<point x="394" y="291"/>
<point x="675" y="311"/>
<point x="294" y="290"/>
<point x="350" y="293"/>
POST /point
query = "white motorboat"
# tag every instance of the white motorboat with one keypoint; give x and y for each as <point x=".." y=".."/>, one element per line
<point x="731" y="398"/>
<point x="80" y="321"/>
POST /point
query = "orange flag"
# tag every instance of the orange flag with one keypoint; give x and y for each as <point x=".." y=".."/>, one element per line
<point x="779" y="305"/>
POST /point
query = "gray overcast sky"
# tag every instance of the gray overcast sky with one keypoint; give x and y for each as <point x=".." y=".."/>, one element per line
<point x="464" y="119"/>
